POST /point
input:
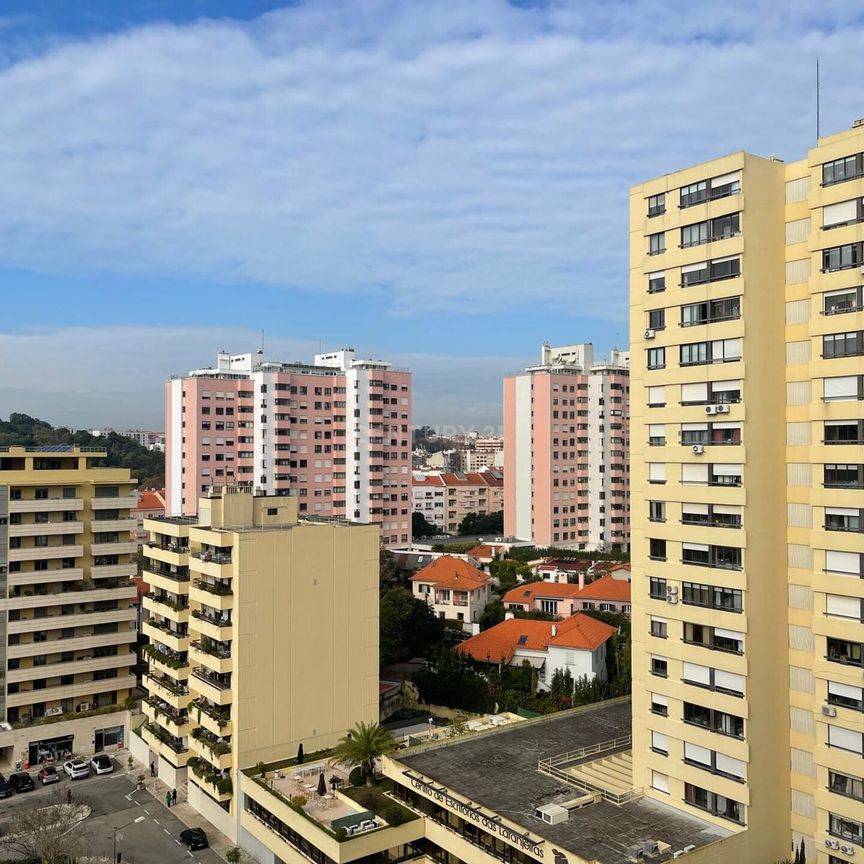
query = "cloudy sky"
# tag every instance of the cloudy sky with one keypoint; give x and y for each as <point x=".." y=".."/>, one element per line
<point x="442" y="184"/>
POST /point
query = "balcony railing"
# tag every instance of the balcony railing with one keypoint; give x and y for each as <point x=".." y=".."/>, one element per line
<point x="165" y="738"/>
<point x="214" y="649"/>
<point x="210" y="678"/>
<point x="168" y="574"/>
<point x="165" y="600"/>
<point x="213" y="588"/>
<point x="222" y="716"/>
<point x="212" y="557"/>
<point x="166" y="628"/>
<point x="215" y="620"/>
<point x="168" y="684"/>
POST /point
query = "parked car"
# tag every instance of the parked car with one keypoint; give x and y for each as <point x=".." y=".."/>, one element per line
<point x="5" y="788"/>
<point x="49" y="775"/>
<point x="21" y="781"/>
<point x="194" y="838"/>
<point x="76" y="768"/>
<point x="101" y="763"/>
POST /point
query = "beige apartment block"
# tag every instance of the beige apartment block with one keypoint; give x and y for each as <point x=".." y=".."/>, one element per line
<point x="263" y="635"/>
<point x="747" y="379"/>
<point x="68" y="601"/>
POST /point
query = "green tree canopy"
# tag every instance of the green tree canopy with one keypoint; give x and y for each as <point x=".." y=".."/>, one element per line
<point x="362" y="745"/>
<point x="421" y="526"/>
<point x="409" y="627"/>
<point x="483" y="523"/>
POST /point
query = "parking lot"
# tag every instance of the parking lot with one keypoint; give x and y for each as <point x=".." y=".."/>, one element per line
<point x="115" y="802"/>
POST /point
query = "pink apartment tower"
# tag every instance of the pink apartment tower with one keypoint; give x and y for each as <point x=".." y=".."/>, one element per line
<point x="566" y="450"/>
<point x="336" y="434"/>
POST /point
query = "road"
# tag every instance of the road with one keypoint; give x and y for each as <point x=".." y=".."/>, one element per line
<point x="115" y="802"/>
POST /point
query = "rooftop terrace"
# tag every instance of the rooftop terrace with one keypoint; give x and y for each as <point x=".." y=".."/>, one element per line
<point x="499" y="771"/>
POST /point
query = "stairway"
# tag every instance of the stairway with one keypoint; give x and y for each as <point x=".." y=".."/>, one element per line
<point x="613" y="774"/>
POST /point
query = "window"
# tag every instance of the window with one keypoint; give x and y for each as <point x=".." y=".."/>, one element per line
<point x="660" y="743"/>
<point x="845" y="696"/>
<point x="724" y="475"/>
<point x="844" y="432"/>
<point x="840" y="302"/>
<point x="839" y="476"/>
<point x="711" y="597"/>
<point x="844" y="651"/>
<point x="713" y="679"/>
<point x="656" y="472"/>
<point x="659" y="628"/>
<point x="660" y="667"/>
<point x="847" y="168"/>
<point x="714" y="515"/>
<point x="656" y="282"/>
<point x="844" y="519"/>
<point x="842" y="213"/>
<point x="657" y="511"/>
<point x="659" y="705"/>
<point x="657" y="588"/>
<point x="841" y="784"/>
<point x="695" y="193"/>
<point x="712" y="802"/>
<point x="702" y="555"/>
<point x="656" y="397"/>
<point x="656" y="358"/>
<point x="656" y="434"/>
<point x="846" y="829"/>
<point x="841" y="257"/>
<point x="707" y="312"/>
<point x="717" y="351"/>
<point x="849" y="344"/>
<point x="656" y="205"/>
<point x="657" y="319"/>
<point x="657" y="550"/>
<point x="714" y="720"/>
<point x="715" y="638"/>
<point x="709" y="230"/>
<point x="711" y="271"/>
<point x="656" y="243"/>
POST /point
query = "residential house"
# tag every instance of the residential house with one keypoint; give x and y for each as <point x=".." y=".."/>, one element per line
<point x="455" y="589"/>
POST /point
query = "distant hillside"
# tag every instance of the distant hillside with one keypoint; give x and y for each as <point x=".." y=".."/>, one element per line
<point x="147" y="466"/>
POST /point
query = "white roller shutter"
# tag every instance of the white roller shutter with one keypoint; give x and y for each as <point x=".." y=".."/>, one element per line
<point x="694" y="427"/>
<point x="727" y="349"/>
<point x="845" y="387"/>
<point x="656" y="395"/>
<point x="844" y="690"/>
<point x="694" y="392"/>
<point x="846" y="739"/>
<point x="729" y="634"/>
<point x="660" y="782"/>
<point x="695" y="753"/>
<point x="842" y="511"/>
<point x="728" y="765"/>
<point x="695" y="509"/>
<point x="728" y="509"/>
<point x="657" y="274"/>
<point x="848" y="563"/>
<point x="725" y="179"/>
<point x="733" y="425"/>
<point x="656" y="430"/>
<point x="842" y="606"/>
<point x="697" y="674"/>
<point x="694" y="473"/>
<point x="726" y="469"/>
<point x="838" y="422"/>
<point x="728" y="681"/>
<point x="724" y="260"/>
<point x="660" y="741"/>
<point x="659" y="699"/>
<point x="837" y="214"/>
<point x="725" y="386"/>
<point x="657" y="472"/>
<point x="696" y="547"/>
<point x="693" y="268"/>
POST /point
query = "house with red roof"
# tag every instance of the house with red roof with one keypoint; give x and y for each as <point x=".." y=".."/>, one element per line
<point x="455" y="589"/>
<point x="151" y="505"/>
<point x="606" y="594"/>
<point x="577" y="644"/>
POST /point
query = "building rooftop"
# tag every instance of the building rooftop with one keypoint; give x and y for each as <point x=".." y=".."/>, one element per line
<point x="498" y="770"/>
<point x="607" y="588"/>
<point x="450" y="572"/>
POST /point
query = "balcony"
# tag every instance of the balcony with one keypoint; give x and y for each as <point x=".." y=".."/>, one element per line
<point x="114" y="524"/>
<point x="30" y="599"/>
<point x="217" y="785"/>
<point x="164" y="553"/>
<point x="169" y="691"/>
<point x="126" y="502"/>
<point x="213" y="595"/>
<point x="116" y="547"/>
<point x="45" y="577"/>
<point x="73" y="667"/>
<point x="165" y="744"/>
<point x="214" y="718"/>
<point x="212" y="748"/>
<point x="211" y="625"/>
<point x="78" y="619"/>
<point x="211" y="686"/>
<point x="114" y="571"/>
<point x="46" y="529"/>
<point x="176" y="610"/>
<point x="167" y="636"/>
<point x="47" y="505"/>
<point x="212" y="655"/>
<point x="83" y="690"/>
<point x="169" y="663"/>
<point x="166" y="580"/>
<point x="55" y="646"/>
<point x="46" y="552"/>
<point x="174" y="721"/>
<point x="219" y="567"/>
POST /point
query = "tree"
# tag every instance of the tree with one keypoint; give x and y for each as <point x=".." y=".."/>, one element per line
<point x="483" y="523"/>
<point x="50" y="834"/>
<point x="453" y="682"/>
<point x="508" y="574"/>
<point x="389" y="574"/>
<point x="492" y="614"/>
<point x="362" y="745"/>
<point x="561" y="689"/>
<point x="408" y="626"/>
<point x="421" y="526"/>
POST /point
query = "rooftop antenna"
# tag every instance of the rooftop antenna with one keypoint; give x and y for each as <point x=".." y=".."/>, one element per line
<point x="817" y="101"/>
<point x="261" y="348"/>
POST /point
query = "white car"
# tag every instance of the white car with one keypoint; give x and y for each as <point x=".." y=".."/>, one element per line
<point x="76" y="768"/>
<point x="101" y="764"/>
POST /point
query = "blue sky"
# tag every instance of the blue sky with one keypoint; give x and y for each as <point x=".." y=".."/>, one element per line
<point x="443" y="184"/>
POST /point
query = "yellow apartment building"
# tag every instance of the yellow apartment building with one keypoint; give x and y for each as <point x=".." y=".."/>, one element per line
<point x="263" y="635"/>
<point x="747" y="441"/>
<point x="67" y="625"/>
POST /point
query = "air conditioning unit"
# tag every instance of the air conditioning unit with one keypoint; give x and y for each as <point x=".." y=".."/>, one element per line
<point x="847" y="850"/>
<point x="650" y="334"/>
<point x="710" y="409"/>
<point x="671" y="594"/>
<point x="698" y="449"/>
<point x="832" y="844"/>
<point x="829" y="710"/>
<point x="722" y="408"/>
<point x="83" y="706"/>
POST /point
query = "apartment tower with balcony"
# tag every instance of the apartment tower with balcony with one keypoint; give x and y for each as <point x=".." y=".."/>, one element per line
<point x="67" y="625"/>
<point x="335" y="434"/>
<point x="566" y="446"/>
<point x="263" y="635"/>
<point x="748" y="480"/>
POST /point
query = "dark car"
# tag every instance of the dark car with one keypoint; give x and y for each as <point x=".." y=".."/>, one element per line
<point x="194" y="838"/>
<point x="5" y="788"/>
<point x="21" y="781"/>
<point x="49" y="775"/>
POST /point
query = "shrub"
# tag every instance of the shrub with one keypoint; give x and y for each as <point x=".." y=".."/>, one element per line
<point x="393" y="815"/>
<point x="341" y="833"/>
<point x="356" y="777"/>
<point x="232" y="856"/>
<point x="297" y="802"/>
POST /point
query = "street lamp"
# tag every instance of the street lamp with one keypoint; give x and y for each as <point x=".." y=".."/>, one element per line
<point x="119" y="828"/>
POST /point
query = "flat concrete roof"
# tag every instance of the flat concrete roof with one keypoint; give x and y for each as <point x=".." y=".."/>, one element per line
<point x="499" y="771"/>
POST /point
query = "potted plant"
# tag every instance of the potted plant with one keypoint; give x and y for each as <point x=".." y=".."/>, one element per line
<point x="140" y="781"/>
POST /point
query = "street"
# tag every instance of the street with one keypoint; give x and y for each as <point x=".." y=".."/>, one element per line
<point x="115" y="802"/>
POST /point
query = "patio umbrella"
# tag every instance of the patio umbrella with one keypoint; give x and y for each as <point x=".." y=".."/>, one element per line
<point x="300" y="754"/>
<point x="322" y="784"/>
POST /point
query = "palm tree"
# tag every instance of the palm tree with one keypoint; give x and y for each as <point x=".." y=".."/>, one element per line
<point x="362" y="745"/>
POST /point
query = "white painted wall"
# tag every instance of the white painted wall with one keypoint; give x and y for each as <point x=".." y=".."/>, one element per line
<point x="212" y="812"/>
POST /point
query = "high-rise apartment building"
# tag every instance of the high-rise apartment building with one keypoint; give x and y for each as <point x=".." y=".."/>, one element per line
<point x="335" y="434"/>
<point x="67" y="625"/>
<point x="566" y="445"/>
<point x="747" y="474"/>
<point x="445" y="498"/>
<point x="263" y="635"/>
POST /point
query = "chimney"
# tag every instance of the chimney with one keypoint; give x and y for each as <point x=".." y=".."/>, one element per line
<point x="554" y="630"/>
<point x="508" y="616"/>
<point x="581" y="579"/>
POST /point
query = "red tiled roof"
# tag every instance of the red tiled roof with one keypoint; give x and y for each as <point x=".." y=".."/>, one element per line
<point x="449" y="572"/>
<point x="427" y="480"/>
<point x="150" y="499"/>
<point x="607" y="588"/>
<point x="473" y="478"/>
<point x="500" y="643"/>
<point x="622" y="565"/>
<point x="483" y="551"/>
<point x="568" y="563"/>
<point x="530" y="591"/>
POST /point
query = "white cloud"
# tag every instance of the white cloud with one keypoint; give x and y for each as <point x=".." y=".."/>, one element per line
<point x="113" y="376"/>
<point x="445" y="155"/>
